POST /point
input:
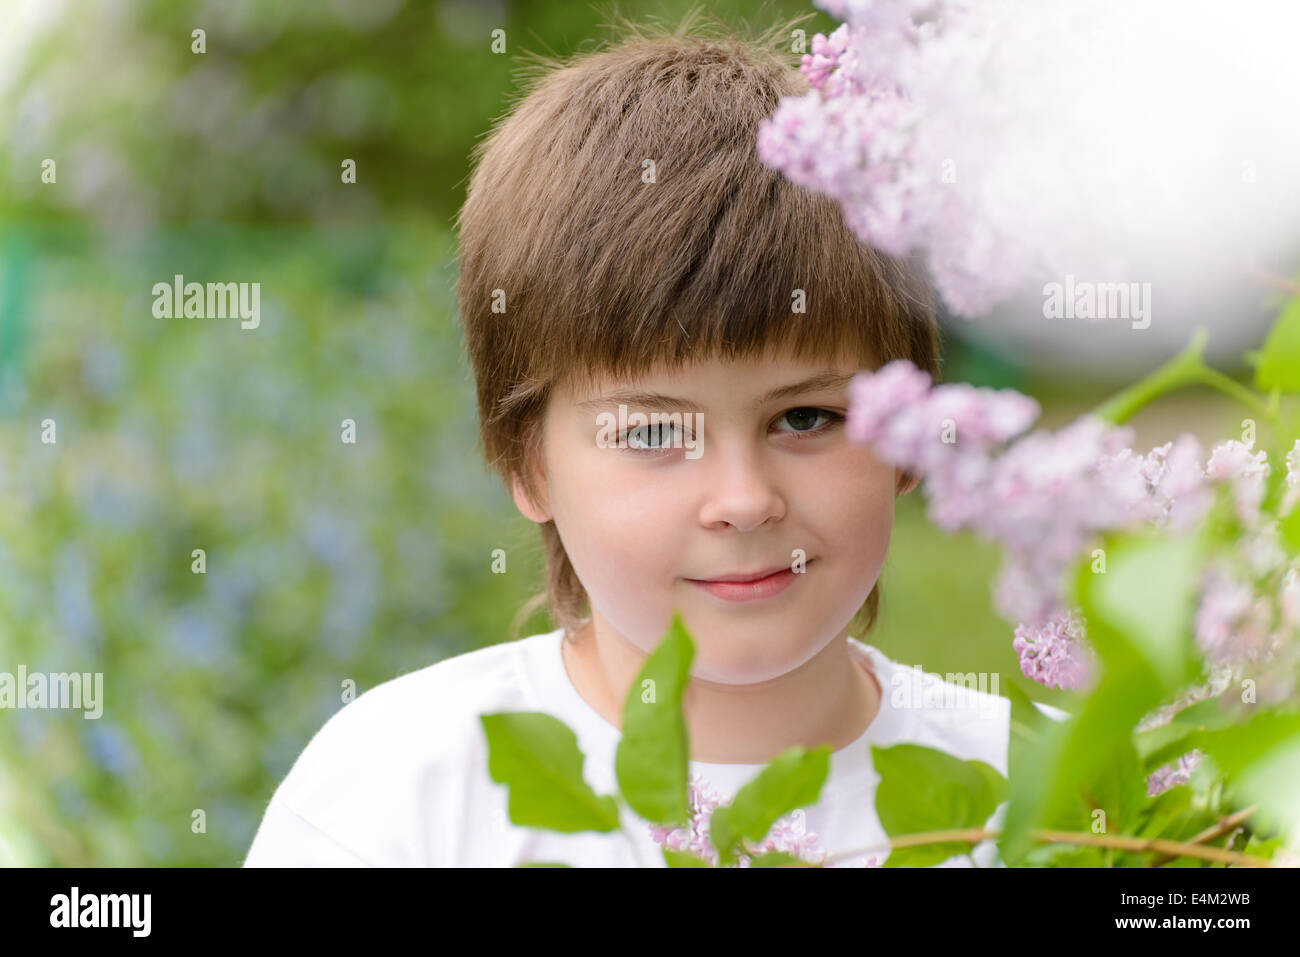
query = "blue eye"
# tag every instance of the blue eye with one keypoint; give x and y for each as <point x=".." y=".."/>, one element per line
<point x="635" y="438"/>
<point x="807" y="415"/>
<point x="650" y="439"/>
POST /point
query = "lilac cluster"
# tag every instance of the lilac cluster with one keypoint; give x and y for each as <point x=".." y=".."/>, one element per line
<point x="786" y="835"/>
<point x="1055" y="654"/>
<point x="856" y="136"/>
<point x="1249" y="608"/>
<point x="1046" y="497"/>
<point x="1162" y="779"/>
<point x="1012" y="140"/>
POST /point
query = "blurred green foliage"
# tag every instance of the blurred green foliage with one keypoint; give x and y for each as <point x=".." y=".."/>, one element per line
<point x="325" y="562"/>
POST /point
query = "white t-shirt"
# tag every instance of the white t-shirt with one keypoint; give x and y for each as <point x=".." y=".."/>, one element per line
<point x="399" y="778"/>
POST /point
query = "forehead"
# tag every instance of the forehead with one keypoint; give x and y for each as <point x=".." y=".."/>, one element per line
<point x="750" y="380"/>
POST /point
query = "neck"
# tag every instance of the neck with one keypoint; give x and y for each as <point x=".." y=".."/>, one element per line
<point x="830" y="699"/>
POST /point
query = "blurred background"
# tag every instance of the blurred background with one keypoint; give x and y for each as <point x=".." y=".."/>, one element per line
<point x="325" y="562"/>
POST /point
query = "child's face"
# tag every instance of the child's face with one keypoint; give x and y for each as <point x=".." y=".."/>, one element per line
<point x="639" y="526"/>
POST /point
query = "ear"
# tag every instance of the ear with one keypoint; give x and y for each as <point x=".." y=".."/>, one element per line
<point x="534" y="512"/>
<point x="905" y="481"/>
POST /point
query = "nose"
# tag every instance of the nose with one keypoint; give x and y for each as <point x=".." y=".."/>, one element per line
<point x="741" y="490"/>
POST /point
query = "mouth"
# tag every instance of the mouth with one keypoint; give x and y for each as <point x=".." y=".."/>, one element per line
<point x="750" y="586"/>
<point x="743" y="576"/>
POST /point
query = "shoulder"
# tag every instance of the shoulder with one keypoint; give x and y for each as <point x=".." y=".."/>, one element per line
<point x="1056" y="714"/>
<point x="382" y="777"/>
<point x="961" y="713"/>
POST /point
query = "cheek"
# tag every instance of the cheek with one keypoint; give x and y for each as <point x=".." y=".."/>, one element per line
<point x="853" y="506"/>
<point x="619" y="523"/>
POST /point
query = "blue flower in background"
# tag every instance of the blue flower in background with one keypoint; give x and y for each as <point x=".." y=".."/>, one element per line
<point x="69" y="799"/>
<point x="110" y="747"/>
<point x="102" y="369"/>
<point x="72" y="597"/>
<point x="197" y="637"/>
<point x="351" y="606"/>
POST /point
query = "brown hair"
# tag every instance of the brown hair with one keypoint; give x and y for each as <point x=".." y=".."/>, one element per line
<point x="604" y="270"/>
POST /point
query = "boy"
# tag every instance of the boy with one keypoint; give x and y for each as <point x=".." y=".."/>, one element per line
<point x="623" y="253"/>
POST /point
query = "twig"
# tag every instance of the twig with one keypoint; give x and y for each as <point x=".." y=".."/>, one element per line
<point x="1210" y="833"/>
<point x="1123" y="842"/>
<point x="1272" y="279"/>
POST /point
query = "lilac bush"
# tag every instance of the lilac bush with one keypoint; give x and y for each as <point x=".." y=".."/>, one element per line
<point x="966" y="130"/>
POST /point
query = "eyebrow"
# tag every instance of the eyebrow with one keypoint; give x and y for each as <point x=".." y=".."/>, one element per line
<point x="818" y="382"/>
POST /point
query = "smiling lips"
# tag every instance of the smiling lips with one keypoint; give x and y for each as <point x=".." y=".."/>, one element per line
<point x="748" y="587"/>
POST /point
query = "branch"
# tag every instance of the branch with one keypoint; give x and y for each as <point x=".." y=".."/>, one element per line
<point x="1271" y="279"/>
<point x="1210" y="833"/>
<point x="975" y="835"/>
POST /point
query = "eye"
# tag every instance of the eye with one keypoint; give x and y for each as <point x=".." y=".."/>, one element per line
<point x="651" y="438"/>
<point x="804" y="417"/>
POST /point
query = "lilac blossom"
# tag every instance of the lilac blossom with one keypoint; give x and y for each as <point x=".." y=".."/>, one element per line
<point x="1292" y="493"/>
<point x="694" y="837"/>
<point x="1289" y="599"/>
<point x="1046" y="497"/>
<point x="1162" y="779"/>
<point x="1219" y="680"/>
<point x="786" y="835"/>
<point x="1054" y="655"/>
<point x="1246" y="471"/>
<point x="967" y="132"/>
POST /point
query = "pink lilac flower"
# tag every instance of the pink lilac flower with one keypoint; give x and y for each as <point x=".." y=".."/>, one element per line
<point x="790" y="837"/>
<point x="955" y="124"/>
<point x="1045" y="497"/>
<point x="694" y="837"/>
<point x="825" y="56"/>
<point x="1162" y="779"/>
<point x="1246" y="471"/>
<point x="785" y="835"/>
<point x="1233" y="623"/>
<point x="1219" y="680"/>
<point x="1289" y="598"/>
<point x="1260" y="548"/>
<point x="1292" y="493"/>
<point x="1177" y="481"/>
<point x="1054" y="655"/>
<point x="856" y="138"/>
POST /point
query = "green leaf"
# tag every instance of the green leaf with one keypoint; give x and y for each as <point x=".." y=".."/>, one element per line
<point x="1084" y="765"/>
<point x="922" y="789"/>
<point x="1146" y="597"/>
<point x="1065" y="855"/>
<point x="537" y="757"/>
<point x="1158" y="746"/>
<point x="1279" y="361"/>
<point x="779" y="859"/>
<point x="1259" y="847"/>
<point x="1261" y="759"/>
<point x="1289" y="527"/>
<point x="683" y="859"/>
<point x="793" y="779"/>
<point x="1163" y="810"/>
<point x="653" y="755"/>
<point x="1028" y="724"/>
<point x="1138" y="620"/>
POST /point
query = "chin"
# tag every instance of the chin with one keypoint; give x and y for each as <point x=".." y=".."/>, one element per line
<point x="748" y="658"/>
